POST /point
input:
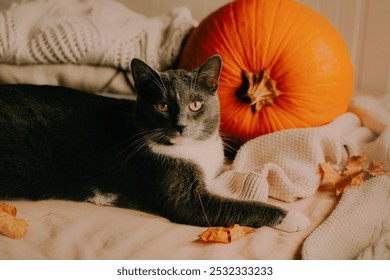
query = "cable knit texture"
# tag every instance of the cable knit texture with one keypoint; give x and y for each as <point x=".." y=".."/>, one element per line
<point x="93" y="32"/>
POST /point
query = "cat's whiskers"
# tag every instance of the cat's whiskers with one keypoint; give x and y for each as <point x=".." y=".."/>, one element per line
<point x="226" y="140"/>
<point x="139" y="137"/>
<point x="205" y="133"/>
<point x="143" y="140"/>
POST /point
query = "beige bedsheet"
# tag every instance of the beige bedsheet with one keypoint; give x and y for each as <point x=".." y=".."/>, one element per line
<point x="71" y="230"/>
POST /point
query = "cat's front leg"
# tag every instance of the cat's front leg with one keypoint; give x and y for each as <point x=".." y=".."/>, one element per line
<point x="220" y="211"/>
<point x="261" y="214"/>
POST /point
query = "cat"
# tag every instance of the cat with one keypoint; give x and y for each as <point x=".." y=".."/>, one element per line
<point x="155" y="154"/>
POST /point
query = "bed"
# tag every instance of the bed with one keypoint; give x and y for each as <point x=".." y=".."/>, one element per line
<point x="354" y="225"/>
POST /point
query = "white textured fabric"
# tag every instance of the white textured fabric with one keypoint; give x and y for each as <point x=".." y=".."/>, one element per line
<point x="93" y="32"/>
<point x="356" y="227"/>
<point x="359" y="227"/>
<point x="380" y="249"/>
<point x="285" y="164"/>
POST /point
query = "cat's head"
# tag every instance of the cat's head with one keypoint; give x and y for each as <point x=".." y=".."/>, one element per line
<point x="177" y="106"/>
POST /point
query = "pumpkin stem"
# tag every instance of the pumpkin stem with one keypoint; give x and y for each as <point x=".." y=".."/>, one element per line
<point x="257" y="89"/>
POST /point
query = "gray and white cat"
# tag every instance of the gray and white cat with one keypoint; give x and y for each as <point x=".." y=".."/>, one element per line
<point x="155" y="154"/>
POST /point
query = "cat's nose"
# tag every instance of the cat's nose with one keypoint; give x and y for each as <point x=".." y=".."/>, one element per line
<point x="180" y="128"/>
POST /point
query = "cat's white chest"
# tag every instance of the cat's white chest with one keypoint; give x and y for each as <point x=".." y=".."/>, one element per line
<point x="207" y="154"/>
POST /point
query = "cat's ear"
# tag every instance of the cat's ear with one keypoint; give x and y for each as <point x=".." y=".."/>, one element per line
<point x="143" y="74"/>
<point x="209" y="72"/>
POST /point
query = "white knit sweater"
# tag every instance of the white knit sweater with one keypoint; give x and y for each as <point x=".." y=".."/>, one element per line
<point x="285" y="164"/>
<point x="93" y="32"/>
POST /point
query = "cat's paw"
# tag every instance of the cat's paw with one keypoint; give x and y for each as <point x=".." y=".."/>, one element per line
<point x="293" y="222"/>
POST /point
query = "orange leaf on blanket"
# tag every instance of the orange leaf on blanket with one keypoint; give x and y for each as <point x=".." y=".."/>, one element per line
<point x="353" y="173"/>
<point x="329" y="174"/>
<point x="375" y="168"/>
<point x="225" y="235"/>
<point x="9" y="225"/>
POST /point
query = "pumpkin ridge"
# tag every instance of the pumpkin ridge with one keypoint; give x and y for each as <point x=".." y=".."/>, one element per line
<point x="271" y="32"/>
<point x="254" y="54"/>
<point x="290" y="34"/>
<point x="292" y="52"/>
<point x="276" y="55"/>
<point x="293" y="33"/>
<point x="292" y="110"/>
<point x="222" y="35"/>
<point x="285" y="46"/>
<point x="236" y="21"/>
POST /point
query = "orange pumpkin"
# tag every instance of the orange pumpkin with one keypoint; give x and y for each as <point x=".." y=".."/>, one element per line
<point x="284" y="66"/>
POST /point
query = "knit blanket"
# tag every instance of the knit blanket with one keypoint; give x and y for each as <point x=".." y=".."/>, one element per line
<point x="285" y="166"/>
<point x="101" y="33"/>
<point x="359" y="227"/>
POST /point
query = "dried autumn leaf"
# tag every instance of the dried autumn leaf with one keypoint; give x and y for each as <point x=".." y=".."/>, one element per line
<point x="10" y="209"/>
<point x="347" y="181"/>
<point x="329" y="174"/>
<point x="354" y="165"/>
<point x="375" y="168"/>
<point x="353" y="173"/>
<point x="223" y="234"/>
<point x="9" y="225"/>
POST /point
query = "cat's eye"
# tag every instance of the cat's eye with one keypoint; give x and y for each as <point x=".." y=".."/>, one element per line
<point x="196" y="106"/>
<point x="162" y="107"/>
